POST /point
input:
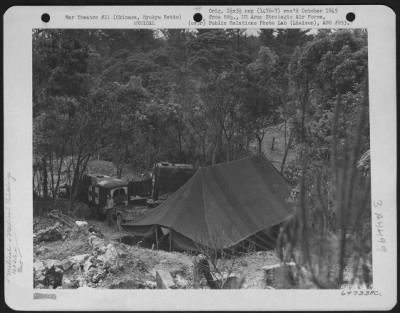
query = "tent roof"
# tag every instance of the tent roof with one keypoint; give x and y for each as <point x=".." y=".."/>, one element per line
<point x="224" y="204"/>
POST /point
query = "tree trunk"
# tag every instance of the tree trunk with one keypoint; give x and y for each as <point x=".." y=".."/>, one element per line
<point x="285" y="132"/>
<point x="75" y="179"/>
<point x="287" y="147"/>
<point x="228" y="150"/>
<point x="259" y="143"/>
<point x="80" y="168"/>
<point x="59" y="171"/>
<point x="218" y="139"/>
<point x="52" y="184"/>
<point x="203" y="159"/>
<point x="74" y="185"/>
<point x="214" y="154"/>
<point x="44" y="178"/>
<point x="303" y="115"/>
<point x="83" y="168"/>
<point x="180" y="144"/>
<point x="37" y="181"/>
<point x="273" y="144"/>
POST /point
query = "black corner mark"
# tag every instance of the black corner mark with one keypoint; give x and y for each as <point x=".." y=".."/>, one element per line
<point x="45" y="17"/>
<point x="350" y="16"/>
<point x="197" y="17"/>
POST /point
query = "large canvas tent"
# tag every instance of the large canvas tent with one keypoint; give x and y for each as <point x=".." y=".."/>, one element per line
<point x="220" y="206"/>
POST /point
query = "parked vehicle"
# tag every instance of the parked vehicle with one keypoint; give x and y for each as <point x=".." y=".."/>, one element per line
<point x="169" y="177"/>
<point x="120" y="200"/>
<point x="101" y="188"/>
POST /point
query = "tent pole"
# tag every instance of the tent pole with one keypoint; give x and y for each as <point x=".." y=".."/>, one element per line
<point x="170" y="240"/>
<point x="156" y="238"/>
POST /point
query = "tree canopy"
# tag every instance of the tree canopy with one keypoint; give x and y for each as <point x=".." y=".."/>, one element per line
<point x="141" y="96"/>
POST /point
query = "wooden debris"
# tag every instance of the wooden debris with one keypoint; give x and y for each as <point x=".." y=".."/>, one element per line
<point x="63" y="218"/>
<point x="52" y="233"/>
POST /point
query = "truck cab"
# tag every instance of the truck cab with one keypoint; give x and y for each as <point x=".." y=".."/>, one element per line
<point x="103" y="187"/>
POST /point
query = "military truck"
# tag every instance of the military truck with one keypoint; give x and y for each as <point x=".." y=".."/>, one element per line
<point x="101" y="188"/>
<point x="169" y="177"/>
<point x="132" y="199"/>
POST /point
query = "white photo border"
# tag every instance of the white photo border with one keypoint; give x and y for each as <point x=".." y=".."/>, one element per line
<point x="19" y="292"/>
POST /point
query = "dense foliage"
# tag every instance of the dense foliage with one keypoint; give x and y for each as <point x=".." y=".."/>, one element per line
<point x="140" y="96"/>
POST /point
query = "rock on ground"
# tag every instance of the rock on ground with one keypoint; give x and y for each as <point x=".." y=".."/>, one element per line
<point x="164" y="280"/>
<point x="47" y="274"/>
